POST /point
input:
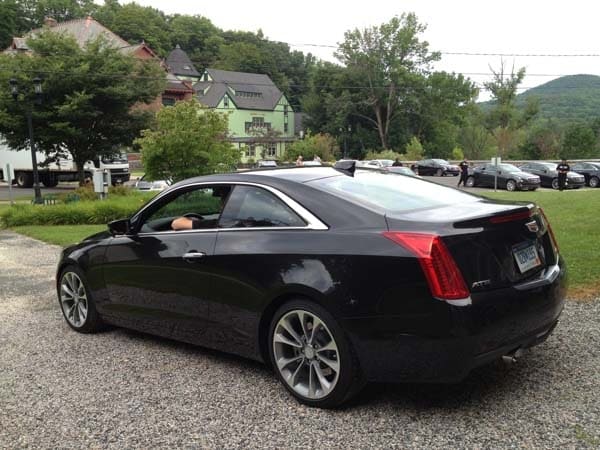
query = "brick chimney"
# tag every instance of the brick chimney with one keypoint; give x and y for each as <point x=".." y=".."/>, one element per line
<point x="50" y="22"/>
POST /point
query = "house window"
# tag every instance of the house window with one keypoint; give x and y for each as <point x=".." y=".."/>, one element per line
<point x="285" y="127"/>
<point x="251" y="150"/>
<point x="258" y="122"/>
<point x="168" y="101"/>
<point x="206" y="77"/>
<point x="226" y="102"/>
<point x="272" y="149"/>
<point x="285" y="110"/>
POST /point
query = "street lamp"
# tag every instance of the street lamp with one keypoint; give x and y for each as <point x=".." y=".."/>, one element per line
<point x="37" y="89"/>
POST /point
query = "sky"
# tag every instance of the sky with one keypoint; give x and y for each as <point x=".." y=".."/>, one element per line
<point x="459" y="26"/>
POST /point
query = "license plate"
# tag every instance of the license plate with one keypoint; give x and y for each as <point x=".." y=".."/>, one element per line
<point x="527" y="257"/>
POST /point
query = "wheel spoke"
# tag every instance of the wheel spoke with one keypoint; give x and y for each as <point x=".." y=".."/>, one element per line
<point x="71" y="312"/>
<point x="315" y="325"/>
<point x="311" y="381"/>
<point x="284" y="362"/>
<point x="329" y="347"/>
<point x="332" y="363"/>
<point x="293" y="379"/>
<point x="67" y="290"/>
<point x="283" y="340"/>
<point x="82" y="312"/>
<point x="302" y="317"/>
<point x="325" y="385"/>
<point x="289" y="328"/>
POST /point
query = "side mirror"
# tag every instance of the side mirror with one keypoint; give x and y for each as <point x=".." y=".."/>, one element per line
<point x="118" y="227"/>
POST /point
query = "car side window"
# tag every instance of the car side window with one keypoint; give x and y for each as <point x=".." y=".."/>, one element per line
<point x="201" y="204"/>
<point x="250" y="207"/>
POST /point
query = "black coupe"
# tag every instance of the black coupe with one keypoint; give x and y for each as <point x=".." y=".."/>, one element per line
<point x="332" y="277"/>
<point x="549" y="175"/>
<point x="435" y="167"/>
<point x="590" y="171"/>
<point x="504" y="176"/>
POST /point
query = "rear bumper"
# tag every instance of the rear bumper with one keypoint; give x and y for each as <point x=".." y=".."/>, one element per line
<point x="495" y="324"/>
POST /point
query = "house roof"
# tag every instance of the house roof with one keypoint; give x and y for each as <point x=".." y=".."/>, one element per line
<point x="246" y="90"/>
<point x="180" y="63"/>
<point x="83" y="30"/>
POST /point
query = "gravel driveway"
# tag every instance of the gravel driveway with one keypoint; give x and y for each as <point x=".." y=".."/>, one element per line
<point x="123" y="389"/>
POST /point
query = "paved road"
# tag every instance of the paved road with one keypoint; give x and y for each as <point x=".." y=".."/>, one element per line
<point x="28" y="192"/>
<point x="123" y="389"/>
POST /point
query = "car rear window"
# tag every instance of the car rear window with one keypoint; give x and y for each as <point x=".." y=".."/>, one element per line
<point x="390" y="191"/>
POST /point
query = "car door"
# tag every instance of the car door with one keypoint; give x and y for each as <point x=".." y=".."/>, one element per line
<point x="158" y="279"/>
<point x="583" y="169"/>
<point x="260" y="242"/>
<point x="486" y="177"/>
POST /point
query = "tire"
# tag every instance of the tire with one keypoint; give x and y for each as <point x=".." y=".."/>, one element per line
<point x="75" y="301"/>
<point x="24" y="179"/>
<point x="555" y="183"/>
<point x="471" y="182"/>
<point x="300" y="366"/>
<point x="511" y="185"/>
<point x="439" y="173"/>
<point x="50" y="180"/>
<point x="594" y="182"/>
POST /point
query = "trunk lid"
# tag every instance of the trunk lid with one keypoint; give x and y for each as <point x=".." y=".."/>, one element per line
<point x="494" y="244"/>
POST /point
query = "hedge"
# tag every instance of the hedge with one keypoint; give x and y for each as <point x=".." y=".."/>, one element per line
<point x="75" y="213"/>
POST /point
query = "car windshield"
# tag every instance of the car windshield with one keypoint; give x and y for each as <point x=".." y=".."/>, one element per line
<point x="441" y="161"/>
<point x="550" y="166"/>
<point x="392" y="192"/>
<point x="386" y="162"/>
<point x="114" y="159"/>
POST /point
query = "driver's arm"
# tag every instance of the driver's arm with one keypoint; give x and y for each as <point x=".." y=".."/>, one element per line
<point x="185" y="223"/>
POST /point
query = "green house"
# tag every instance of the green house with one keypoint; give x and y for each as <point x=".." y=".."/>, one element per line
<point x="261" y="121"/>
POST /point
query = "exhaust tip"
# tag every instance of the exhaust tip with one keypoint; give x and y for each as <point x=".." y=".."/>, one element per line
<point x="512" y="357"/>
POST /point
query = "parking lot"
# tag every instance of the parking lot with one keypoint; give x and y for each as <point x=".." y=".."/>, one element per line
<point x="123" y="389"/>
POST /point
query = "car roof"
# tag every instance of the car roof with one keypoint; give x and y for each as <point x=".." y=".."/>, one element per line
<point x="293" y="174"/>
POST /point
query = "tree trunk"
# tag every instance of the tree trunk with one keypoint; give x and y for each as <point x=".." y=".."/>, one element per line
<point x="380" y="126"/>
<point x="80" y="173"/>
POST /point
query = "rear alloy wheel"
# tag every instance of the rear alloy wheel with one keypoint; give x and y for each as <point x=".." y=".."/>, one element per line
<point x="76" y="302"/>
<point x="511" y="185"/>
<point x="50" y="180"/>
<point x="594" y="182"/>
<point x="311" y="355"/>
<point x="439" y="173"/>
<point x="555" y="183"/>
<point x="470" y="182"/>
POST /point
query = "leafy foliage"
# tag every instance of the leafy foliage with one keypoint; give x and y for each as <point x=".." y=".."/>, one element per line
<point x="322" y="145"/>
<point x="88" y="100"/>
<point x="414" y="150"/>
<point x="187" y="141"/>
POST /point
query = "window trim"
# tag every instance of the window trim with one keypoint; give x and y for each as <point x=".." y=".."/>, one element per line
<point x="312" y="221"/>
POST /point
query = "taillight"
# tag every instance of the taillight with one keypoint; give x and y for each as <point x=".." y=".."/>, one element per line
<point x="442" y="274"/>
<point x="552" y="237"/>
<point x="511" y="217"/>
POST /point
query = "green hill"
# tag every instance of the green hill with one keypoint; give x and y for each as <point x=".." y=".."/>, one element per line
<point x="572" y="98"/>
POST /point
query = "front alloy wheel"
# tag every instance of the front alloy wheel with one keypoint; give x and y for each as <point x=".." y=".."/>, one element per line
<point x="76" y="303"/>
<point x="594" y="182"/>
<point x="555" y="185"/>
<point x="511" y="185"/>
<point x="470" y="181"/>
<point x="312" y="356"/>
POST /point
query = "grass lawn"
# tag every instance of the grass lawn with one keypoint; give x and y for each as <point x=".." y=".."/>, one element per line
<point x="574" y="219"/>
<point x="62" y="235"/>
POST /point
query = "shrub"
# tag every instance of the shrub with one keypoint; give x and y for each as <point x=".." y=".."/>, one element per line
<point x="75" y="213"/>
<point x="384" y="154"/>
<point x="120" y="190"/>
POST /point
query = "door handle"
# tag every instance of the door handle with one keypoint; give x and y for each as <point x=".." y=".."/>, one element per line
<point x="193" y="256"/>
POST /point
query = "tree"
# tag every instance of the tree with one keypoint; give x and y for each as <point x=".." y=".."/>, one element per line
<point x="198" y="37"/>
<point x="89" y="97"/>
<point x="476" y="141"/>
<point x="388" y="59"/>
<point x="579" y="142"/>
<point x="543" y="141"/>
<point x="322" y="145"/>
<point x="414" y="150"/>
<point x="188" y="140"/>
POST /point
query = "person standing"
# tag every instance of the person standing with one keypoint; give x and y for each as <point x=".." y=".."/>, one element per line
<point x="397" y="163"/>
<point x="464" y="172"/>
<point x="562" y="169"/>
<point x="300" y="161"/>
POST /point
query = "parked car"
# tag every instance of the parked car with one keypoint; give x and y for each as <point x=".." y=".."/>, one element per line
<point x="506" y="176"/>
<point x="590" y="171"/>
<point x="435" y="167"/>
<point x="549" y="175"/>
<point x="332" y="277"/>
<point x="266" y="163"/>
<point x="403" y="170"/>
<point x="380" y="163"/>
<point x="145" y="184"/>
